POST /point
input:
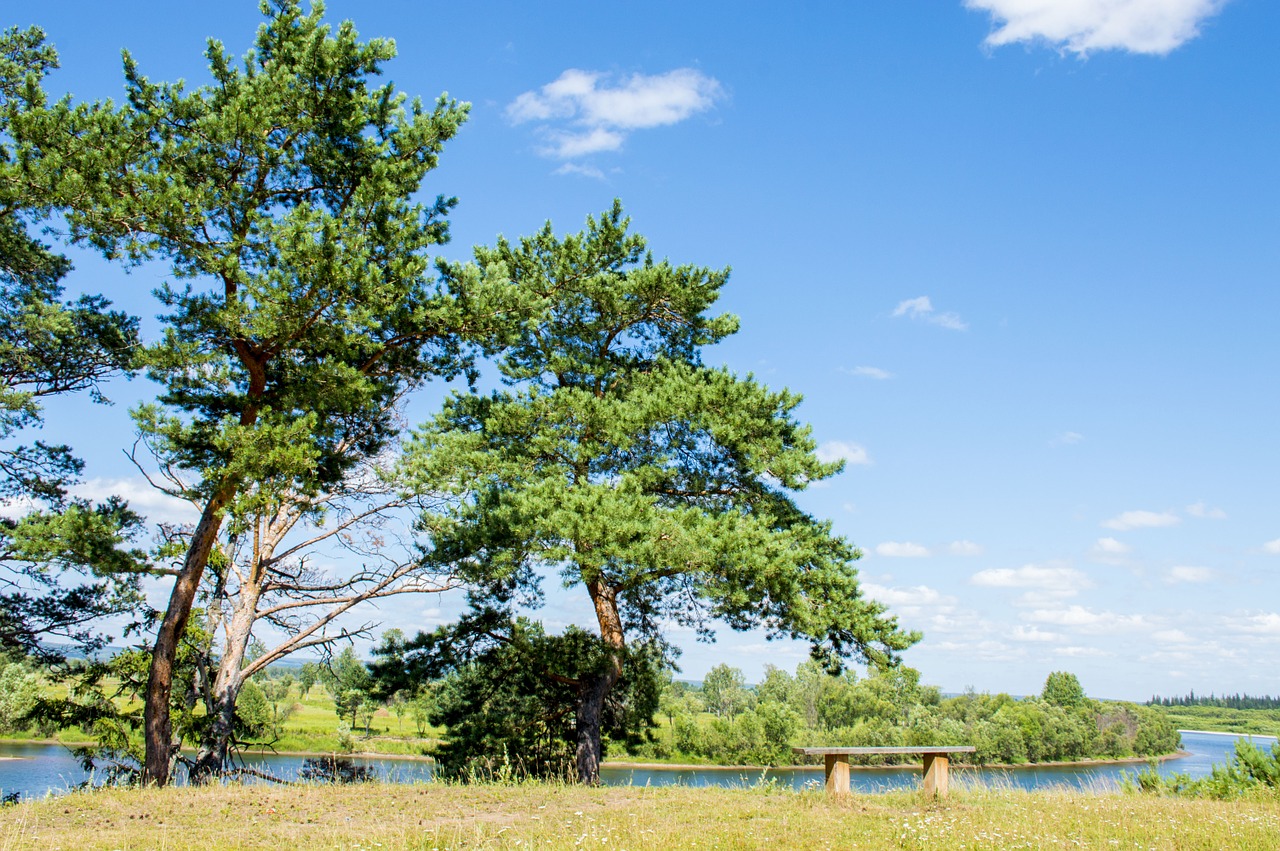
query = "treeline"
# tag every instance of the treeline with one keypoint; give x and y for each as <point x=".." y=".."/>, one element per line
<point x="891" y="708"/>
<point x="1226" y="701"/>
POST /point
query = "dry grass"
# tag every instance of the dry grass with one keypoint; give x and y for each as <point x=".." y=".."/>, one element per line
<point x="546" y="816"/>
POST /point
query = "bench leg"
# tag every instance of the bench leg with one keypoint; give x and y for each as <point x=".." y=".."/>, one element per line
<point x="837" y="768"/>
<point x="935" y="775"/>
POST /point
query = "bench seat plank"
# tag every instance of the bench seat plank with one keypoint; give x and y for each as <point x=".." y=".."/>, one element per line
<point x="936" y="768"/>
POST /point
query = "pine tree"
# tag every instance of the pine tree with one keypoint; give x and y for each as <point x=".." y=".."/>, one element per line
<point x="281" y="196"/>
<point x="620" y="464"/>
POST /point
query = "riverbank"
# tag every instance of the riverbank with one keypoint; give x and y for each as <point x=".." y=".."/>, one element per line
<point x="955" y="766"/>
<point x="554" y="816"/>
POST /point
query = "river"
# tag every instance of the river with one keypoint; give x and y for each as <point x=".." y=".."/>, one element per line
<point x="33" y="770"/>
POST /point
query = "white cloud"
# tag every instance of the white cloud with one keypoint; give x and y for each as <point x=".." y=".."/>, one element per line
<point x="1031" y="633"/>
<point x="1109" y="551"/>
<point x="869" y="372"/>
<point x="580" y="170"/>
<point x="965" y="548"/>
<point x="1042" y="581"/>
<point x="1082" y="652"/>
<point x="1067" y="438"/>
<point x="1141" y="520"/>
<point x="919" y="595"/>
<point x="1081" y="26"/>
<point x="1205" y="512"/>
<point x="1183" y="573"/>
<point x="581" y="113"/>
<point x="1111" y="546"/>
<point x="903" y="549"/>
<point x="157" y="506"/>
<point x="1265" y="623"/>
<point x="1088" y="620"/>
<point x="1172" y="636"/>
<point x="922" y="308"/>
<point x="839" y="450"/>
<point x="1272" y="547"/>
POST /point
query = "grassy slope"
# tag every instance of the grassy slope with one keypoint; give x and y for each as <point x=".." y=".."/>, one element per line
<point x="548" y="816"/>
<point x="1264" y="722"/>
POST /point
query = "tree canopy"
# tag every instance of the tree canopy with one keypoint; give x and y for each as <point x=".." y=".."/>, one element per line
<point x="282" y="196"/>
<point x="617" y="461"/>
<point x="50" y="346"/>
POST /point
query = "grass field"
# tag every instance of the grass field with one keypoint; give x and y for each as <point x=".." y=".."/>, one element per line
<point x="547" y="816"/>
<point x="1263" y="722"/>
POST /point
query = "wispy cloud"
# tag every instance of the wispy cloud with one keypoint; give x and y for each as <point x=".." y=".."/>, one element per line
<point x="868" y="372"/>
<point x="1186" y="573"/>
<point x="1272" y="547"/>
<point x="1082" y="26"/>
<point x="1204" y="512"/>
<point x="1128" y="520"/>
<point x="920" y="595"/>
<point x="1067" y="438"/>
<point x="1041" y="582"/>
<point x="1031" y="633"/>
<point x="1088" y="620"/>
<point x="1264" y="623"/>
<point x="839" y="450"/>
<point x="158" y="507"/>
<point x="965" y="548"/>
<point x="921" y="309"/>
<point x="586" y="112"/>
<point x="1109" y="551"/>
<point x="901" y="549"/>
<point x="580" y="170"/>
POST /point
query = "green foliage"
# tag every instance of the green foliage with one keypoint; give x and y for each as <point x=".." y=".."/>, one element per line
<point x="724" y="692"/>
<point x="1063" y="689"/>
<point x="1252" y="772"/>
<point x="617" y="461"/>
<point x="507" y="693"/>
<point x="20" y="691"/>
<point x="348" y="682"/>
<point x="282" y="190"/>
<point x="253" y="710"/>
<point x="891" y="708"/>
<point x="49" y="347"/>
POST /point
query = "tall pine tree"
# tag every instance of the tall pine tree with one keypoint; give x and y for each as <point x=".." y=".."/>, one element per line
<point x="282" y="196"/>
<point x="617" y="462"/>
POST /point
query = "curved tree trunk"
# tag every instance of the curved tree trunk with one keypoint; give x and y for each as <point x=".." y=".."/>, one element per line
<point x="158" y="729"/>
<point x="211" y="760"/>
<point x="595" y="690"/>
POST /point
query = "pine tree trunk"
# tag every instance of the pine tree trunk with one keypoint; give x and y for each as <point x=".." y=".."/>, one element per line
<point x="158" y="730"/>
<point x="594" y="690"/>
<point x="212" y="757"/>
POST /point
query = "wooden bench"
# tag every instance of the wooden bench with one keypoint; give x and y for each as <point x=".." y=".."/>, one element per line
<point x="836" y="761"/>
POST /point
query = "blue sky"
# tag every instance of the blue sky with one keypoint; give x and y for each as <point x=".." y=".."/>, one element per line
<point x="1019" y="257"/>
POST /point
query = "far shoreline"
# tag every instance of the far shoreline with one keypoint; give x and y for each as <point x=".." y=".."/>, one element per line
<point x="955" y="766"/>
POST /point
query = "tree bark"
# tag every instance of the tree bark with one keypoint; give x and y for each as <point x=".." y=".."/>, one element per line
<point x="211" y="759"/>
<point x="158" y="729"/>
<point x="594" y="690"/>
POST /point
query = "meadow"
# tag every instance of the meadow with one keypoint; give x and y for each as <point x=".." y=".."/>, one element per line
<point x="554" y="816"/>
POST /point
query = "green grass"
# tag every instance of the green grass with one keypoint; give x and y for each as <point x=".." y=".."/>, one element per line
<point x="1218" y="719"/>
<point x="550" y="816"/>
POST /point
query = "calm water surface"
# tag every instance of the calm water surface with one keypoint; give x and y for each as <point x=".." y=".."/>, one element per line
<point x="36" y="770"/>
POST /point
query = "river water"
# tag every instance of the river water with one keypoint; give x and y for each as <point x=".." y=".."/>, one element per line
<point x="33" y="770"/>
